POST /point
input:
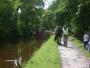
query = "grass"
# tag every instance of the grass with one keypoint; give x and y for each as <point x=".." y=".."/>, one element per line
<point x="80" y="45"/>
<point x="45" y="57"/>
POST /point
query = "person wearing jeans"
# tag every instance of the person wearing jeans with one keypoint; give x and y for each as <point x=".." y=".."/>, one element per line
<point x="65" y="36"/>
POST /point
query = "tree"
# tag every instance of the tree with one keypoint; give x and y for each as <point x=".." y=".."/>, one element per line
<point x="7" y="24"/>
<point x="31" y="14"/>
<point x="14" y="25"/>
<point x="83" y="21"/>
<point x="48" y="20"/>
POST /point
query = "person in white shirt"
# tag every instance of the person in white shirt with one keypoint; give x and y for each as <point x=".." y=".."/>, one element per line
<point x="65" y="35"/>
<point x="85" y="39"/>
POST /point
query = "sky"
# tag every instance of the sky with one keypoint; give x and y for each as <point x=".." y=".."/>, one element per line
<point x="48" y="3"/>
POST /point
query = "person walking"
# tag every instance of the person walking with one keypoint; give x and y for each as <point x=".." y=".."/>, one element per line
<point x="58" y="35"/>
<point x="65" y="35"/>
<point x="85" y="39"/>
<point x="88" y="46"/>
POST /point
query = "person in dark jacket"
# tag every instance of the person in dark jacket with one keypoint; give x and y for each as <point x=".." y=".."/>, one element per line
<point x="58" y="35"/>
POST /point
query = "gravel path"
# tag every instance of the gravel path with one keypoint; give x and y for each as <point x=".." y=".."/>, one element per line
<point x="72" y="57"/>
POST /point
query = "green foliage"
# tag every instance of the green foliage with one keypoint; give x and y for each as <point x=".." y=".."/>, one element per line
<point x="65" y="10"/>
<point x="31" y="14"/>
<point x="74" y="13"/>
<point x="82" y="21"/>
<point x="7" y="24"/>
<point x="48" y="20"/>
<point x="14" y="25"/>
<point x="46" y="57"/>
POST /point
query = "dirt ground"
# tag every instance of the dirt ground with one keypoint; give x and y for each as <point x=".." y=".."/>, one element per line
<point x="72" y="57"/>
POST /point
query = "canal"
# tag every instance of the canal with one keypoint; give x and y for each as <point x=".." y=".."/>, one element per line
<point x="14" y="55"/>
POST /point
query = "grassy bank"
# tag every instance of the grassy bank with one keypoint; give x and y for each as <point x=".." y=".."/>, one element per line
<point x="80" y="45"/>
<point x="45" y="57"/>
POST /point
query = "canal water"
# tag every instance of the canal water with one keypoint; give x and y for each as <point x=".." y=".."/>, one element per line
<point x="13" y="55"/>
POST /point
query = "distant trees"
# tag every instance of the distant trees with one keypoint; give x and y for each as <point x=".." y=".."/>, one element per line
<point x="83" y="18"/>
<point x="48" y="20"/>
<point x="7" y="21"/>
<point x="30" y="16"/>
<point x="74" y="13"/>
<point x="14" y="25"/>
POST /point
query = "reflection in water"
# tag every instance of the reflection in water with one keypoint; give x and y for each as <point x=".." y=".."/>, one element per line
<point x="12" y="56"/>
<point x="16" y="62"/>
